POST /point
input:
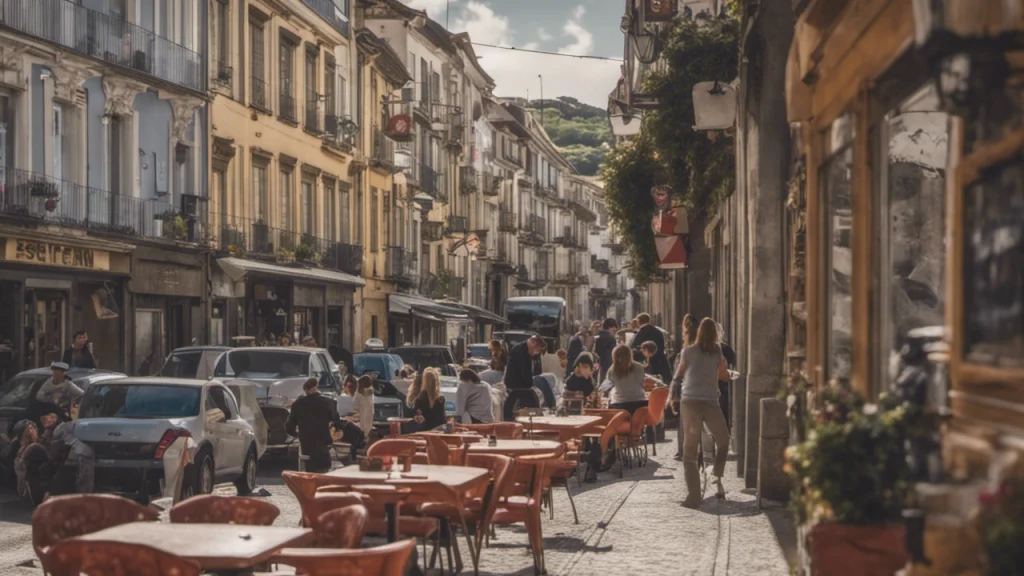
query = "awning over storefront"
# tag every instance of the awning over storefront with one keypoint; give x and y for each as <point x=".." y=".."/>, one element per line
<point x="476" y="313"/>
<point x="407" y="304"/>
<point x="238" y="268"/>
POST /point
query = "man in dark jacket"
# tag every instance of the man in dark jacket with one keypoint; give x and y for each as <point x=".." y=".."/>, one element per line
<point x="576" y="347"/>
<point x="604" y="344"/>
<point x="313" y="416"/>
<point x="79" y="354"/>
<point x="648" y="333"/>
<point x="519" y="375"/>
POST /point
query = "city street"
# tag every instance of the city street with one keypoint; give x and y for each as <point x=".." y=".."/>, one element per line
<point x="633" y="525"/>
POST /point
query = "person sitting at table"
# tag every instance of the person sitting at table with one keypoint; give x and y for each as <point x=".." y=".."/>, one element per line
<point x="425" y="397"/>
<point x="473" y="401"/>
<point x="364" y="404"/>
<point x="656" y="365"/>
<point x="625" y="381"/>
<point x="310" y="420"/>
<point x="582" y="378"/>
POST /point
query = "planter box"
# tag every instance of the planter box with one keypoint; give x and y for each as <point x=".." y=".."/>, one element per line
<point x="857" y="550"/>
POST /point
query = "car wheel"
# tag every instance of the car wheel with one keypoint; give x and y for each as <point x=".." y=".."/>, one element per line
<point x="204" y="470"/>
<point x="246" y="483"/>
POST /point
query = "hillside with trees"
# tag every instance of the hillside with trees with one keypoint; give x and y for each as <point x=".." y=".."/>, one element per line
<point x="579" y="130"/>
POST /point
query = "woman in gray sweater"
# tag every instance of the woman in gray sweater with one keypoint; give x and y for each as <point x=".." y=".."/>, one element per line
<point x="625" y="380"/>
<point x="701" y="366"/>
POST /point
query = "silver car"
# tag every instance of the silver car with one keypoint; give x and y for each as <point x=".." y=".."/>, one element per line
<point x="132" y="423"/>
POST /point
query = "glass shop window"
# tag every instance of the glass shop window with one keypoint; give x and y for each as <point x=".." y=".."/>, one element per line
<point x="836" y="180"/>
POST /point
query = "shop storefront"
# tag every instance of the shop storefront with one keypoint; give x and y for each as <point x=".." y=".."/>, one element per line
<point x="53" y="286"/>
<point x="169" y="305"/>
<point x="418" y="320"/>
<point x="911" y="207"/>
<point x="263" y="301"/>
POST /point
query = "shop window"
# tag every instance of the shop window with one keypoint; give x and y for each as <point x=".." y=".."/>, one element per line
<point x="993" y="278"/>
<point x="836" y="178"/>
<point x="912" y="246"/>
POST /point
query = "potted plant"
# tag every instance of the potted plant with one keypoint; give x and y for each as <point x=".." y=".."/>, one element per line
<point x="285" y="255"/>
<point x="1001" y="523"/>
<point x="173" y="225"/>
<point x="304" y="252"/>
<point x="851" y="485"/>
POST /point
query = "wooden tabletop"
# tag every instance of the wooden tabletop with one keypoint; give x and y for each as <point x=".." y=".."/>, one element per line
<point x="553" y="422"/>
<point x="213" y="546"/>
<point x="515" y="447"/>
<point x="455" y="477"/>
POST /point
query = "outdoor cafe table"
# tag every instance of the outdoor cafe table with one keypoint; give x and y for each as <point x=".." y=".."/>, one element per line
<point x="222" y="548"/>
<point x="568" y="427"/>
<point x="515" y="448"/>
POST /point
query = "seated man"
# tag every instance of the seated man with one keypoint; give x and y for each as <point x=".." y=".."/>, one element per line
<point x="74" y="460"/>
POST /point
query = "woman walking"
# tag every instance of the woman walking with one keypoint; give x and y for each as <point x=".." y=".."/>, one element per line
<point x="701" y="366"/>
<point x="689" y="339"/>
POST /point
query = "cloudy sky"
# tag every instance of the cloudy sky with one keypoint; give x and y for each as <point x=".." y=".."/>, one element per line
<point x="589" y="27"/>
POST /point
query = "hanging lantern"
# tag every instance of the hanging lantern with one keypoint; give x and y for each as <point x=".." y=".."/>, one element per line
<point x="714" y="106"/>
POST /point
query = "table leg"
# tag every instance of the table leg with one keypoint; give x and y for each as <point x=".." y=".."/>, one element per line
<point x="391" y="511"/>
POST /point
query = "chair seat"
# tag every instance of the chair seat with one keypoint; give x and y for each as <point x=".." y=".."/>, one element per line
<point x="450" y="510"/>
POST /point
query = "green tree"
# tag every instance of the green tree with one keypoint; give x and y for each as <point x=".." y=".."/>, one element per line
<point x="630" y="170"/>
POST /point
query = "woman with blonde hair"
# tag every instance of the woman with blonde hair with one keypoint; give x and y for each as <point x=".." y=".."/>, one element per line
<point x="701" y="366"/>
<point x="425" y="397"/>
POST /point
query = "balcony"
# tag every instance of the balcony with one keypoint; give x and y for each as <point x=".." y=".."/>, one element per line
<point x="312" y="123"/>
<point x="287" y="108"/>
<point x="524" y="281"/>
<point x="601" y="266"/>
<point x="580" y="204"/>
<point x="247" y="237"/>
<point x="432" y="231"/>
<point x="335" y="12"/>
<point x="542" y="274"/>
<point x="525" y="181"/>
<point x="222" y="73"/>
<point x="507" y="221"/>
<point x="400" y="266"/>
<point x="339" y="131"/>
<point x="457" y="225"/>
<point x="568" y="240"/>
<point x="492" y="185"/>
<point x="502" y="261"/>
<point x="534" y="232"/>
<point x="616" y="247"/>
<point x="383" y="150"/>
<point x="40" y="198"/>
<point x="467" y="180"/>
<point x="259" y="90"/>
<point x="513" y="158"/>
<point x="427" y="180"/>
<point x="454" y="288"/>
<point x="106" y="37"/>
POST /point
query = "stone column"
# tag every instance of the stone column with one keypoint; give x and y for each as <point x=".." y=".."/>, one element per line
<point x="767" y="173"/>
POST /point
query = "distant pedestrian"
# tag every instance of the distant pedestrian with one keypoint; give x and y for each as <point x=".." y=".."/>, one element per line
<point x="285" y="339"/>
<point x="577" y="344"/>
<point x="79" y="354"/>
<point x="473" y="401"/>
<point x="310" y="420"/>
<point x="518" y="378"/>
<point x="604" y="343"/>
<point x="309" y="342"/>
<point x="59" y="390"/>
<point x="700" y="369"/>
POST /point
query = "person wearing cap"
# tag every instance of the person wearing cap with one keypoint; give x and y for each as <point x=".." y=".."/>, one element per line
<point x="59" y="390"/>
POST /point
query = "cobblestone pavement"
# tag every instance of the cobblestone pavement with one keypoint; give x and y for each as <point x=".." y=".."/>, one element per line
<point x="631" y="526"/>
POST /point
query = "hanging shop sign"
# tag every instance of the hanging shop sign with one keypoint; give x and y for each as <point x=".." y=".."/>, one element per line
<point x="671" y="229"/>
<point x="21" y="250"/>
<point x="400" y="128"/>
<point x="660" y="10"/>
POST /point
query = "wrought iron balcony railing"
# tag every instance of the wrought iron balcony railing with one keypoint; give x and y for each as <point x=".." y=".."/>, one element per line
<point x="400" y="266"/>
<point x="287" y="105"/>
<point x="245" y="237"/>
<point x="507" y="221"/>
<point x="106" y="37"/>
<point x="492" y="184"/>
<point x="223" y="73"/>
<point x="258" y="93"/>
<point x="467" y="180"/>
<point x="39" y="197"/>
<point x="432" y="231"/>
<point x="312" y="123"/>
<point x="383" y="152"/>
<point x="457" y="225"/>
<point x="534" y="231"/>
<point x="335" y="12"/>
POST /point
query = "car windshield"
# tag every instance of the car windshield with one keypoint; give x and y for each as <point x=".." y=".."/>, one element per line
<point x="259" y="364"/>
<point x="182" y="364"/>
<point x="479" y="351"/>
<point x="422" y="358"/>
<point x="15" y="392"/>
<point x="140" y="401"/>
<point x="533" y="315"/>
<point x="382" y="364"/>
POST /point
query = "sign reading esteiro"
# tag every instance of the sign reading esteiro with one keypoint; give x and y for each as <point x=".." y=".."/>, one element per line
<point x="56" y="254"/>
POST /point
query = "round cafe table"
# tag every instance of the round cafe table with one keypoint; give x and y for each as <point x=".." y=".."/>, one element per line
<point x="516" y="447"/>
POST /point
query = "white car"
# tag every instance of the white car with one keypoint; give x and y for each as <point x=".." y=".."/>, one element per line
<point x="138" y="426"/>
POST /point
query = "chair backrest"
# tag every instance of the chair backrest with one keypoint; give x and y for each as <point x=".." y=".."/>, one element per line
<point x="304" y="486"/>
<point x="606" y="414"/>
<point x="638" y="421"/>
<point x="214" y="509"/>
<point x="501" y="468"/>
<point x="393" y="447"/>
<point x="656" y="402"/>
<point x="508" y="430"/>
<point x="437" y="449"/>
<point x="533" y="470"/>
<point x="387" y="560"/>
<point x="614" y="428"/>
<point x="341" y="527"/>
<point x="63" y="517"/>
<point x="78" y="557"/>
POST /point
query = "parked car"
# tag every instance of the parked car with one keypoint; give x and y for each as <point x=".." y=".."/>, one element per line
<point x="385" y="364"/>
<point x="130" y="423"/>
<point x="428" y="356"/>
<point x="192" y="362"/>
<point x="17" y="393"/>
<point x="278" y="373"/>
